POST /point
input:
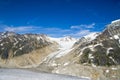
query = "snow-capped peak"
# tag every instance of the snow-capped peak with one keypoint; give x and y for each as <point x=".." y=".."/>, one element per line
<point x="64" y="42"/>
<point x="65" y="45"/>
<point x="63" y="39"/>
<point x="118" y="20"/>
<point x="67" y="38"/>
<point x="7" y="33"/>
<point x="91" y="36"/>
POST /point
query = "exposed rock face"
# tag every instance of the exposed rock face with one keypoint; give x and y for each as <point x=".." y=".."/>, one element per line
<point x="14" y="45"/>
<point x="104" y="49"/>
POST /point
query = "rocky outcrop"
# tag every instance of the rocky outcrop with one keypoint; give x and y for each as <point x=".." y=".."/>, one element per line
<point x="17" y="46"/>
<point x="103" y="50"/>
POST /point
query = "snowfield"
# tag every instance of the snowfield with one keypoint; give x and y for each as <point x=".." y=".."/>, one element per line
<point x="19" y="74"/>
<point x="65" y="46"/>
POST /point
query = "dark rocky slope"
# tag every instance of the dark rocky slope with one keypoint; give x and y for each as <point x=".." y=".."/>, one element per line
<point x="14" y="46"/>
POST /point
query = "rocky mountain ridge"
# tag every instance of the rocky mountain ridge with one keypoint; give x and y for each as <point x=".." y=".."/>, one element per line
<point x="12" y="44"/>
<point x="15" y="46"/>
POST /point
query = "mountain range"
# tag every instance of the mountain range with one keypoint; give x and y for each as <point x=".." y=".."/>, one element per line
<point x="96" y="55"/>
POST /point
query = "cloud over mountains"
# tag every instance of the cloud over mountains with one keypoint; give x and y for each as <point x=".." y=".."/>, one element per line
<point x="75" y="30"/>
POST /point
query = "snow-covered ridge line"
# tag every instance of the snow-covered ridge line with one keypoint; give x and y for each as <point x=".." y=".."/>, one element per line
<point x="115" y="21"/>
<point x="91" y="36"/>
<point x="64" y="42"/>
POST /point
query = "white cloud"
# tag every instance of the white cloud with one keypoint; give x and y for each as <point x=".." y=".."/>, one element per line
<point x="75" y="31"/>
<point x="56" y="29"/>
<point x="37" y="29"/>
<point x="83" y="32"/>
<point x="90" y="26"/>
<point x="18" y="29"/>
<point x="75" y="27"/>
<point x="83" y="26"/>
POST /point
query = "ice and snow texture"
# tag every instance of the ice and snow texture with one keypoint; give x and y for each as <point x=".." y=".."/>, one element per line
<point x="115" y="21"/>
<point x="65" y="44"/>
<point x="116" y="37"/>
<point x="91" y="36"/>
<point x="18" y="74"/>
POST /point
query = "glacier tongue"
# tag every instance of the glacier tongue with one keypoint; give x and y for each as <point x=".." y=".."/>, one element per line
<point x="65" y="44"/>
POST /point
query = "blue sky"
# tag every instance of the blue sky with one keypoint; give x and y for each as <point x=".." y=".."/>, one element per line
<point x="57" y="17"/>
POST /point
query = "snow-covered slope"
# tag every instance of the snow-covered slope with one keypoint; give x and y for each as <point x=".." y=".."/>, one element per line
<point x="65" y="46"/>
<point x="91" y="36"/>
<point x="18" y="74"/>
<point x="118" y="20"/>
<point x="64" y="42"/>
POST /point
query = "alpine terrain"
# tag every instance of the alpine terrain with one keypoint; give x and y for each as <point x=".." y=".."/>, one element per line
<point x="92" y="57"/>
